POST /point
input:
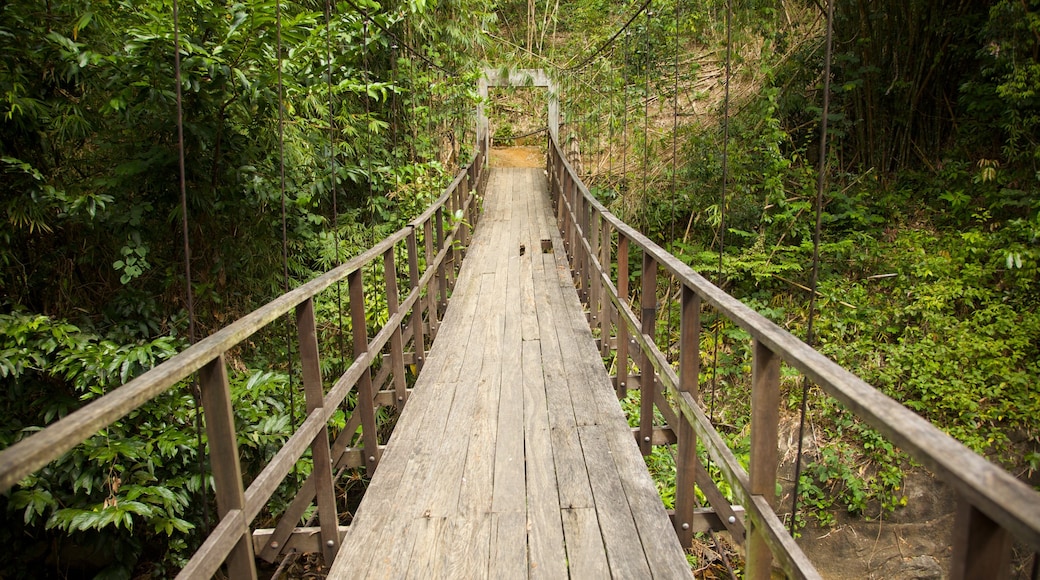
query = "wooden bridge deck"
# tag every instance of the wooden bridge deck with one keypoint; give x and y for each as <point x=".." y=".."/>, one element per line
<point x="512" y="457"/>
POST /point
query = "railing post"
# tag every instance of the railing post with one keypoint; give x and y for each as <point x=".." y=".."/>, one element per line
<point x="981" y="547"/>
<point x="593" y="277"/>
<point x="442" y="281"/>
<point x="418" y="331"/>
<point x="223" y="456"/>
<point x="647" y="382"/>
<point x="621" y="361"/>
<point x="435" y="284"/>
<point x="586" y="260"/>
<point x="605" y="310"/>
<point x="689" y="374"/>
<point x="396" y="342"/>
<point x="765" y="420"/>
<point x="314" y="392"/>
<point x="355" y="283"/>
<point x="460" y="193"/>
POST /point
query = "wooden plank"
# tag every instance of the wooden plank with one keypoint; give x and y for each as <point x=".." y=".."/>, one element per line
<point x="586" y="555"/>
<point x="981" y="548"/>
<point x="547" y="558"/>
<point x="648" y="384"/>
<point x="508" y="545"/>
<point x="617" y="526"/>
<point x="660" y="544"/>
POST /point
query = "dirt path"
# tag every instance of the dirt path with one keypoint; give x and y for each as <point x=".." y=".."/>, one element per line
<point x="517" y="157"/>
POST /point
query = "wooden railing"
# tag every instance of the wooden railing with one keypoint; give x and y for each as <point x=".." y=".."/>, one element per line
<point x="993" y="505"/>
<point x="441" y="236"/>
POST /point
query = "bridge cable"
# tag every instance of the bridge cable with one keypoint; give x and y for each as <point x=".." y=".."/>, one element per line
<point x="334" y="174"/>
<point x="675" y="160"/>
<point x="646" y="131"/>
<point x="196" y="393"/>
<point x="368" y="18"/>
<point x="624" y="116"/>
<point x="722" y="204"/>
<point x="821" y="179"/>
<point x="584" y="62"/>
<point x="285" y="233"/>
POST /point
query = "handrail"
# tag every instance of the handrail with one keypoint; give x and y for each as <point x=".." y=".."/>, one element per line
<point x="417" y="314"/>
<point x="993" y="500"/>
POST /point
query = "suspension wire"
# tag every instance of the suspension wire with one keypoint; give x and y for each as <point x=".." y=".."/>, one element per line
<point x="624" y="117"/>
<point x="624" y="28"/>
<point x="675" y="161"/>
<point x="646" y="99"/>
<point x="821" y="182"/>
<point x="722" y="203"/>
<point x="610" y="122"/>
<point x="368" y="18"/>
<point x="196" y="392"/>
<point x="368" y="122"/>
<point x="285" y="231"/>
<point x="335" y="177"/>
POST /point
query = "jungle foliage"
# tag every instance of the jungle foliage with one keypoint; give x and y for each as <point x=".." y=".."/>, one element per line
<point x="930" y="249"/>
<point x="92" y="284"/>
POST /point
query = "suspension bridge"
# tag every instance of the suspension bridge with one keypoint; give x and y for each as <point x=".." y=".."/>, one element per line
<point x="511" y="456"/>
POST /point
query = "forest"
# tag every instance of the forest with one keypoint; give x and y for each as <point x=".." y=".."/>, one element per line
<point x="311" y="130"/>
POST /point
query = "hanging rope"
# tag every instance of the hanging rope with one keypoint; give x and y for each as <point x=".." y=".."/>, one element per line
<point x="675" y="161"/>
<point x="285" y="231"/>
<point x="196" y="393"/>
<point x="722" y="203"/>
<point x="821" y="181"/>
<point x="584" y="62"/>
<point x="623" y="188"/>
<point x="334" y="175"/>
<point x="368" y="18"/>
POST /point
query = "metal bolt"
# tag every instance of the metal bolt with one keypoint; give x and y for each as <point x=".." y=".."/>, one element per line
<point x="647" y="439"/>
<point x="371" y="457"/>
<point x="732" y="519"/>
<point x="274" y="545"/>
<point x="622" y="383"/>
<point x="330" y="543"/>
<point x="685" y="526"/>
<point x="400" y="398"/>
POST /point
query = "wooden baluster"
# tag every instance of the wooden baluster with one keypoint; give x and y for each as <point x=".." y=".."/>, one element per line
<point x="396" y="342"/>
<point x="431" y="290"/>
<point x="585" y="261"/>
<point x="418" y="329"/>
<point x="223" y="456"/>
<point x="647" y="383"/>
<point x="461" y="193"/>
<point x="366" y="404"/>
<point x="442" y="281"/>
<point x="314" y="392"/>
<point x="765" y="420"/>
<point x="981" y="547"/>
<point x="622" y="327"/>
<point x="595" y="309"/>
<point x="689" y="374"/>
<point x="606" y="309"/>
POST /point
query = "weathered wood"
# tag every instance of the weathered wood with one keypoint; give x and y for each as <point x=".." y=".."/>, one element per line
<point x="359" y="327"/>
<point x="765" y="419"/>
<point x="981" y="548"/>
<point x="622" y="328"/>
<point x="308" y="540"/>
<point x="648" y="317"/>
<point x="686" y="455"/>
<point x="227" y="474"/>
<point x="418" y="328"/>
<point x="314" y="393"/>
<point x="396" y="342"/>
<point x="585" y="555"/>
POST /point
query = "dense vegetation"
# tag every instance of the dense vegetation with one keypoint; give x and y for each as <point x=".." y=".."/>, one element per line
<point x="930" y="250"/>
<point x="92" y="286"/>
<point x="931" y="237"/>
